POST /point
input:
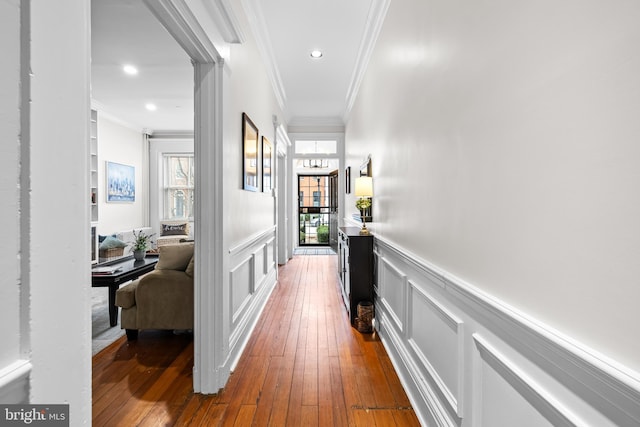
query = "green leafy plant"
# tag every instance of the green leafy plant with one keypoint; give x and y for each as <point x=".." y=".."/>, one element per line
<point x="142" y="241"/>
<point x="323" y="234"/>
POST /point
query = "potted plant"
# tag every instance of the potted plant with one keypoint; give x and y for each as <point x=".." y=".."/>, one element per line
<point x="141" y="243"/>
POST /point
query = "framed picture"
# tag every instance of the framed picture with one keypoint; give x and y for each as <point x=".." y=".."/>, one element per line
<point x="121" y="183"/>
<point x="249" y="154"/>
<point x="267" y="161"/>
<point x="365" y="167"/>
<point x="347" y="180"/>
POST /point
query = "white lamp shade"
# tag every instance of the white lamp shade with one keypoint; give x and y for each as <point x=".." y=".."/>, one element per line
<point x="364" y="186"/>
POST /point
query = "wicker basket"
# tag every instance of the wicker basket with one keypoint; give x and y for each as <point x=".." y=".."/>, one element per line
<point x="111" y="253"/>
<point x="364" y="321"/>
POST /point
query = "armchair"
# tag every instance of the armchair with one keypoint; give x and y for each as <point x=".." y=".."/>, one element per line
<point x="162" y="299"/>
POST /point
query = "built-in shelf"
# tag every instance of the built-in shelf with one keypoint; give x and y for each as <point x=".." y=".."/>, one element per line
<point x="93" y="184"/>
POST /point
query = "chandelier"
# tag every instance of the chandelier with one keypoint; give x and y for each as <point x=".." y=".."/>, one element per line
<point x="315" y="163"/>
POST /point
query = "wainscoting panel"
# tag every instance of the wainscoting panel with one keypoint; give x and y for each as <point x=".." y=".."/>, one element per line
<point x="269" y="256"/>
<point x="468" y="360"/>
<point x="252" y="277"/>
<point x="259" y="263"/>
<point x="392" y="293"/>
<point x="506" y="396"/>
<point x="241" y="283"/>
<point x="443" y="363"/>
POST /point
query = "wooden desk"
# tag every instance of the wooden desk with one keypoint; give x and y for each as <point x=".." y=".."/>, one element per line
<point x="128" y="269"/>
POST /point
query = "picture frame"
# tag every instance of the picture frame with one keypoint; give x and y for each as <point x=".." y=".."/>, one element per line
<point x="267" y="162"/>
<point x="365" y="167"/>
<point x="120" y="183"/>
<point x="250" y="178"/>
<point x="347" y="180"/>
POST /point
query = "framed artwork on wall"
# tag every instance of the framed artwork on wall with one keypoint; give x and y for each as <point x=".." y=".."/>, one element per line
<point x="347" y="180"/>
<point x="121" y="183"/>
<point x="267" y="161"/>
<point x="249" y="154"/>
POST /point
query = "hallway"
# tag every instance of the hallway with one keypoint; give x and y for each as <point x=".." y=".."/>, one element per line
<point x="304" y="365"/>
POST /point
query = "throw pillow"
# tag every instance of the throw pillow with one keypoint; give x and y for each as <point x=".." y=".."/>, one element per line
<point x="175" y="257"/>
<point x="190" y="267"/>
<point x="101" y="237"/>
<point x="174" y="229"/>
<point x="111" y="242"/>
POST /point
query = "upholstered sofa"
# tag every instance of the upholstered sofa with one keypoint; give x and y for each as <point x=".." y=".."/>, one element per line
<point x="173" y="232"/>
<point x="163" y="298"/>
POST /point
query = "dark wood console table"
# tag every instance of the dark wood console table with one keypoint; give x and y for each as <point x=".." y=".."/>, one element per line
<point x="126" y="269"/>
<point x="355" y="265"/>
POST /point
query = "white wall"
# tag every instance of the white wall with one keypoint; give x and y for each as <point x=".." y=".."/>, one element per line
<point x="503" y="143"/>
<point x="247" y="89"/>
<point x="11" y="281"/>
<point x="59" y="237"/>
<point x="121" y="144"/>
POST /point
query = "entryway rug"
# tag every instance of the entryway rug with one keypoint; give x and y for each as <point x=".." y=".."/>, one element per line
<point x="305" y="250"/>
<point x="102" y="333"/>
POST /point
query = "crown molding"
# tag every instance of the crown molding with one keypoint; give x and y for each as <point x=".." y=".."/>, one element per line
<point x="316" y="124"/>
<point x="222" y="13"/>
<point x="375" y="19"/>
<point x="253" y="10"/>
<point x="106" y="113"/>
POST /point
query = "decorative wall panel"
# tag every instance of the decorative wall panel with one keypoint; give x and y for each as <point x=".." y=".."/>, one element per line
<point x="467" y="359"/>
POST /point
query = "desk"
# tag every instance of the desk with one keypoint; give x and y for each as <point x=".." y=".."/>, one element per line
<point x="128" y="269"/>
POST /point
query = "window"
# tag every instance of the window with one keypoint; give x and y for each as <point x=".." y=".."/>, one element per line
<point x="178" y="186"/>
<point x="316" y="147"/>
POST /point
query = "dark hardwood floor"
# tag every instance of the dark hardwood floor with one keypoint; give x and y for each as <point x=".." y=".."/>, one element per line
<point x="303" y="366"/>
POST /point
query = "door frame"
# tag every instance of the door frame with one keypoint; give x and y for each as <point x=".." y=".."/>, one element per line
<point x="292" y="175"/>
<point x="210" y="333"/>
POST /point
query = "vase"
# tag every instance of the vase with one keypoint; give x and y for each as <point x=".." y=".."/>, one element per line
<point x="139" y="255"/>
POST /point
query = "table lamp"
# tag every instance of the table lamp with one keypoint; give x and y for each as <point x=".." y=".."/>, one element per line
<point x="364" y="192"/>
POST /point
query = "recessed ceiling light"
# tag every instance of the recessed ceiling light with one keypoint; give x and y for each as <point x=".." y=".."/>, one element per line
<point x="130" y="69"/>
<point x="316" y="54"/>
<point x="151" y="107"/>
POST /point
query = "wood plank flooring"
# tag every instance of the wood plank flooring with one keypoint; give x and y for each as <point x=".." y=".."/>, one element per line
<point x="303" y="366"/>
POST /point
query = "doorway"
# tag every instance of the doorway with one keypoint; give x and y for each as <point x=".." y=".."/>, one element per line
<point x="317" y="210"/>
<point x="313" y="210"/>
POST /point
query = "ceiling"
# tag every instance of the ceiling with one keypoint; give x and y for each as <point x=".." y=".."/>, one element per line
<point x="125" y="32"/>
<point x="311" y="90"/>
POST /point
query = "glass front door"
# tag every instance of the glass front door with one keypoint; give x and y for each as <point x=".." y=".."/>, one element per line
<point x="313" y="210"/>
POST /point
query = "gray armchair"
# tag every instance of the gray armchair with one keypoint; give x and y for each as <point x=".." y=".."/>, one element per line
<point x="162" y="299"/>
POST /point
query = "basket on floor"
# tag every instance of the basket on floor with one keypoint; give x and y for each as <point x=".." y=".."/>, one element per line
<point x="111" y="253"/>
<point x="364" y="320"/>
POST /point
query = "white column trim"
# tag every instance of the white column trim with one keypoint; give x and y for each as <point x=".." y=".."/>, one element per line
<point x="211" y="332"/>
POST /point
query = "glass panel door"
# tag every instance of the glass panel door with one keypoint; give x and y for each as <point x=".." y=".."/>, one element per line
<point x="313" y="210"/>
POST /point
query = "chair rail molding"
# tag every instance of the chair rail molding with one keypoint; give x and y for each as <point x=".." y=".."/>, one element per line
<point x="489" y="353"/>
<point x="14" y="382"/>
